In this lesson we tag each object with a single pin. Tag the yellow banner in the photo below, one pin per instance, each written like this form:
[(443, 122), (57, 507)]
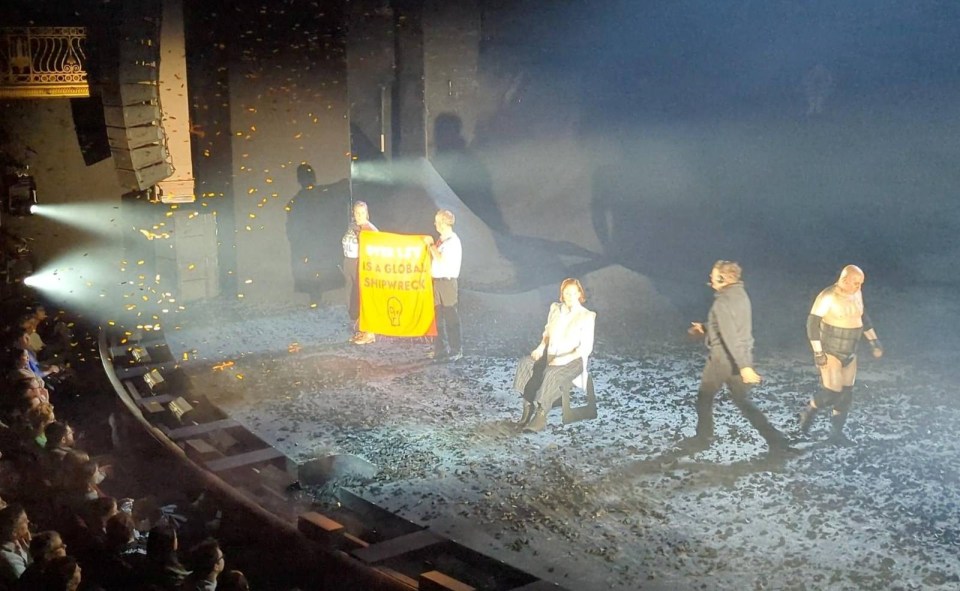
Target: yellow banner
[(396, 291)]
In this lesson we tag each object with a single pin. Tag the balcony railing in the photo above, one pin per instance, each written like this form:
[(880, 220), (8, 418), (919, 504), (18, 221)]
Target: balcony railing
[(39, 62)]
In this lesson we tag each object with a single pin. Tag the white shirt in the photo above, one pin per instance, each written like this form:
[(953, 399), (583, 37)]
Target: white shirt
[(351, 240), (447, 265), (13, 561), (569, 331)]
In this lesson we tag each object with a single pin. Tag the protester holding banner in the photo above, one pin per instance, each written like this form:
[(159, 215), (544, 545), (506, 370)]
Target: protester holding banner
[(351, 253), (447, 254)]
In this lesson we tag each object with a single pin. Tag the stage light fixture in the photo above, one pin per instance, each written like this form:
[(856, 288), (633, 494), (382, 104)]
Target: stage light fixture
[(179, 407), (20, 194), (153, 379), (140, 355)]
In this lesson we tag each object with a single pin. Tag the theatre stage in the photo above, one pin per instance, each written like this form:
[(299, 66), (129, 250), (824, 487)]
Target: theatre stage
[(588, 505)]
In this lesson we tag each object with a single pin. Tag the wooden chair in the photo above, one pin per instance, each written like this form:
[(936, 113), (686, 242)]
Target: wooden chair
[(572, 414)]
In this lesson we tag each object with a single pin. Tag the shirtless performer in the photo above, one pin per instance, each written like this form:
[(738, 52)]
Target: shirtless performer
[(834, 327)]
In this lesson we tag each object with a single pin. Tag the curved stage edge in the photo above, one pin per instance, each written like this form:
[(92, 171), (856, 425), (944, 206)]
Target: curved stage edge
[(357, 546)]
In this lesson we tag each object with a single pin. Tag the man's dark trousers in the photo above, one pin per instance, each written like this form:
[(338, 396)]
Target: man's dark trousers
[(719, 371)]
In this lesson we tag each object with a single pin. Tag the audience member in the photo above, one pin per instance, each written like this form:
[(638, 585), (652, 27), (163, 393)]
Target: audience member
[(36, 419), (60, 444), (98, 512), (44, 547), (32, 388), (55, 333), (116, 565), (22, 340), (162, 567), (62, 574), (206, 562), (233, 580), (14, 543), (81, 478), (60, 485), (18, 363), (29, 323)]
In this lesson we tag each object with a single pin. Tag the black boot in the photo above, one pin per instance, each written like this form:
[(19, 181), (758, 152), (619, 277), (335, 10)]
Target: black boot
[(527, 414), (807, 416), (837, 437), (538, 422), (694, 444), (778, 446)]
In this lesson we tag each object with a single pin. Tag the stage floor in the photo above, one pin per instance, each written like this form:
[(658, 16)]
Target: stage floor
[(588, 505)]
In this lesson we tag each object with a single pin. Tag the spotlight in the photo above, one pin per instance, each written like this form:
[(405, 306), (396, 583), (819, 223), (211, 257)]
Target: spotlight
[(179, 407), (19, 193)]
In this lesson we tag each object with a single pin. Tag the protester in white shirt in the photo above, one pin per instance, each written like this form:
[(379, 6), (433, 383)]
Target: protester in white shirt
[(446, 255)]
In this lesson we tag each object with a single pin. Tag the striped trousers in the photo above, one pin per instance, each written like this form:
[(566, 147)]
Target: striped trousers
[(544, 384)]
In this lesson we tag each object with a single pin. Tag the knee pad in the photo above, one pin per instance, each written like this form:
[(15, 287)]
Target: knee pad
[(824, 398)]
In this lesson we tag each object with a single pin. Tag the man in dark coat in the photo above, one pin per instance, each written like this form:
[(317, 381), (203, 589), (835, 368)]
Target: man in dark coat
[(729, 337)]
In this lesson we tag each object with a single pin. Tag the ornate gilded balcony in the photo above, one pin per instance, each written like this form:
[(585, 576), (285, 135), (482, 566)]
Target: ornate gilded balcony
[(43, 62)]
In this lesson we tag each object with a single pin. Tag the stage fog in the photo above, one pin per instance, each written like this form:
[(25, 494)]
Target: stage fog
[(626, 144)]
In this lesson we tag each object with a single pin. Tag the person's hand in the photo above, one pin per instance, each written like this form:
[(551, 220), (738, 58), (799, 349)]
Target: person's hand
[(820, 358), (54, 369), (428, 240), (749, 376), (537, 353), (876, 348), (696, 329)]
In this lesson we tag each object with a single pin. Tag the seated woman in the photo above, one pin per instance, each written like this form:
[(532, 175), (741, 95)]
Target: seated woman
[(18, 366), (560, 357)]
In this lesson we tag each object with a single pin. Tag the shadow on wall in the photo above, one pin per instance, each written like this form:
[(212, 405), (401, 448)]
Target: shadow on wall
[(539, 261), (316, 219), (634, 229), (464, 172)]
